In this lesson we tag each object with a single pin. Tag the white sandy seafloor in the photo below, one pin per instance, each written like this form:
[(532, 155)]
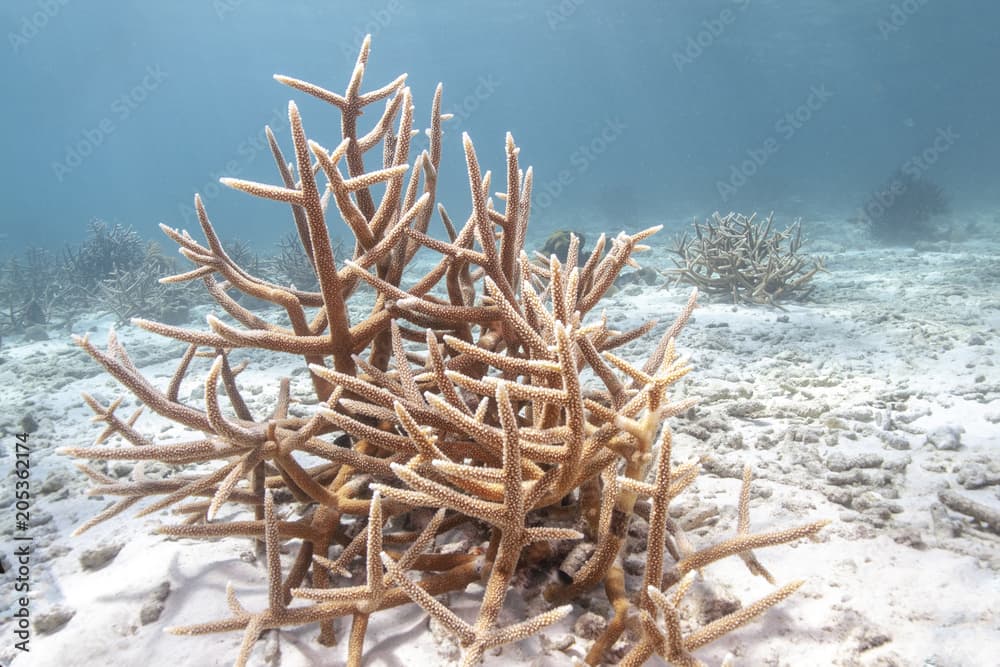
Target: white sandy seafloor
[(857, 406)]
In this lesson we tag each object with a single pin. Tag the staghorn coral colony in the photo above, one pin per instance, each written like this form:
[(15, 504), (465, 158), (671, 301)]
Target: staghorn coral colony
[(746, 259), (481, 398), (113, 271), (905, 210)]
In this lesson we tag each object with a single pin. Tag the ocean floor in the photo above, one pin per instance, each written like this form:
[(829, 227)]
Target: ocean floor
[(861, 406)]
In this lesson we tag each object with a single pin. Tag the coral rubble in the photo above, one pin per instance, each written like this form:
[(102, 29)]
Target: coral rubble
[(483, 390)]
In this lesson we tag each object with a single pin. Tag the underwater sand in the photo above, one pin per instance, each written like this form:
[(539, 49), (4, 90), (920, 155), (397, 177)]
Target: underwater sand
[(858, 406)]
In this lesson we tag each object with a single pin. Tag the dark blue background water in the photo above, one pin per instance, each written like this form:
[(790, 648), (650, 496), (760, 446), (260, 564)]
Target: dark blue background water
[(634, 111)]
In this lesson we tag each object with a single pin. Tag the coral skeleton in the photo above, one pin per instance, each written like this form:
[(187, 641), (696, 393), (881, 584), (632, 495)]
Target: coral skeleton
[(746, 259), (480, 398)]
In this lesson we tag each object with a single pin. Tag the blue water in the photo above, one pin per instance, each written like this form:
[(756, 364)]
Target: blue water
[(633, 112)]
